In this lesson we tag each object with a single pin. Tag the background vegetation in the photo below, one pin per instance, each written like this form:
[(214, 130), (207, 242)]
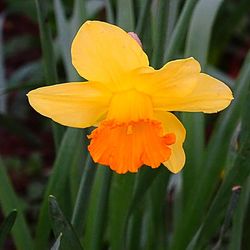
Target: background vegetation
[(206, 206)]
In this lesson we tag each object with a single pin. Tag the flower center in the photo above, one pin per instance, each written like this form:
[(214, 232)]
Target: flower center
[(130, 105), (130, 136)]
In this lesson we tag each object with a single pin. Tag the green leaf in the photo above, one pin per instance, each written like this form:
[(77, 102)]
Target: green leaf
[(93, 7), (31, 71), (46, 42), (97, 218), (143, 183), (240, 171), (160, 31), (194, 148), (228, 217), (201, 23), (79, 16), (135, 234), (6, 227), (48, 58), (122, 186), (157, 204), (173, 9), (180, 30), (57, 244), (3, 83), (144, 180), (215, 159), (238, 220), (82, 200), (144, 12), (10, 201), (58, 182), (110, 11), (125, 15), (62, 226), (65, 38)]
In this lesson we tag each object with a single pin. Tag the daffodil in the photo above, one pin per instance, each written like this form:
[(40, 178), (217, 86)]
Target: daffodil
[(128, 101)]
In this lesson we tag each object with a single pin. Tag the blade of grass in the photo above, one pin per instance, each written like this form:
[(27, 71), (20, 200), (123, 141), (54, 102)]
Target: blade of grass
[(229, 20), (202, 23), (3, 83), (98, 211), (31, 71), (194, 122), (135, 229), (144, 12), (61, 225), (143, 182), (65, 38), (148, 239), (157, 199), (238, 174), (82, 200), (58, 180), (56, 245), (194, 148), (93, 8), (125, 15), (174, 6), (144, 179), (48, 58), (110, 11), (215, 160), (79, 16), (238, 220), (77, 170), (10, 201), (180, 30), (228, 217), (6, 227), (46, 42), (122, 186), (161, 18)]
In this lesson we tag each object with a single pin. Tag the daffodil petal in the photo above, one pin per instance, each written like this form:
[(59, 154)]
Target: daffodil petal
[(76, 104), (172, 125), (105, 53), (209, 95), (176, 78)]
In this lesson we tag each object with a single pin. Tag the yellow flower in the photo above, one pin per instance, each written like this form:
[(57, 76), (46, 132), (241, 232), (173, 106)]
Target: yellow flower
[(128, 100)]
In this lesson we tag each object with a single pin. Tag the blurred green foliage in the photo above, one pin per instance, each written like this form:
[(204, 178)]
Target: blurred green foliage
[(96, 209)]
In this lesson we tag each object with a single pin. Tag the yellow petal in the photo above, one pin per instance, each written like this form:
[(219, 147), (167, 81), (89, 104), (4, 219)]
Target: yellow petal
[(104, 52), (77, 105), (172, 125), (209, 95), (176, 78)]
